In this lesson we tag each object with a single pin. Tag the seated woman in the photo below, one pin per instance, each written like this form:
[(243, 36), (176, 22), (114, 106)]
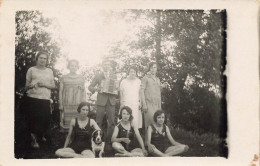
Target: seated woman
[(82, 127), (159, 139), (124, 134)]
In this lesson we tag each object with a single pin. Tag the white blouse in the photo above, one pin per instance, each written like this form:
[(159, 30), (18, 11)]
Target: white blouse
[(35, 75)]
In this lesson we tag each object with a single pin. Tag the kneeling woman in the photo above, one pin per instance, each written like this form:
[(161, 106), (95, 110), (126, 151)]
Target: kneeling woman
[(159, 138), (124, 134), (82, 129)]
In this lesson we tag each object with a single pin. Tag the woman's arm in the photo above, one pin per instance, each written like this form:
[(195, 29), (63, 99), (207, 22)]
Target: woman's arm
[(139, 99), (61, 94), (139, 138), (68, 138), (149, 134), (173, 142), (151, 147), (121, 89), (94, 124), (143, 87), (84, 91), (115, 134), (93, 83), (28, 84)]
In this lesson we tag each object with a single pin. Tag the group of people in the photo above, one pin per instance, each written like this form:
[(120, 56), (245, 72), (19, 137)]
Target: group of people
[(136, 97)]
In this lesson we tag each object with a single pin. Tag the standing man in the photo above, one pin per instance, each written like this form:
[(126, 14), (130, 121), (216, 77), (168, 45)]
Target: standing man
[(105, 101)]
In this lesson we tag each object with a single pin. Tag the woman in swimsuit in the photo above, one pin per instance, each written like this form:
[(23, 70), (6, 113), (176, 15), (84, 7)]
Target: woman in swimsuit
[(159, 139), (123, 138), (82, 127)]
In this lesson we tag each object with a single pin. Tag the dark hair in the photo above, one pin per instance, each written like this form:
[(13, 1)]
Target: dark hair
[(150, 65), (132, 67), (111, 62), (82, 104), (129, 110), (41, 53), (158, 113), (71, 61)]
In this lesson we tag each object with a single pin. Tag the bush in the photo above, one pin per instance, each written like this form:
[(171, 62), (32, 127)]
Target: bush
[(197, 110)]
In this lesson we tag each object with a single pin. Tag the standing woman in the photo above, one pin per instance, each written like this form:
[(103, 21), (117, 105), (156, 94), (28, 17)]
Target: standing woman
[(130, 95), (39, 82), (71, 93), (151, 94), (82, 127)]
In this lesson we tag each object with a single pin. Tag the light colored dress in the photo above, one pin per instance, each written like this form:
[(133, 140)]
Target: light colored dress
[(72, 95), (151, 87), (130, 96)]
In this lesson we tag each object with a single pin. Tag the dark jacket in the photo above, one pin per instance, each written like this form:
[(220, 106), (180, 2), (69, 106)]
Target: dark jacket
[(102, 98)]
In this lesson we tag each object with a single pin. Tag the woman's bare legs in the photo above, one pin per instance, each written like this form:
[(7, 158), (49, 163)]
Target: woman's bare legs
[(137, 152), (87, 154), (67, 153), (156, 152), (119, 148), (174, 150)]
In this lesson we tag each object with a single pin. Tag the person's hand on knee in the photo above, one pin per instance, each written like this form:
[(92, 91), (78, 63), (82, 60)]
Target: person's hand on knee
[(151, 148)]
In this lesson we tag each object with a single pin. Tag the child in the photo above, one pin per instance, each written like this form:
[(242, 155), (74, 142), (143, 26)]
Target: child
[(158, 137)]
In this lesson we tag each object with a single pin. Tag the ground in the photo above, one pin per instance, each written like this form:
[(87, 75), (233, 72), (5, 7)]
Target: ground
[(199, 145)]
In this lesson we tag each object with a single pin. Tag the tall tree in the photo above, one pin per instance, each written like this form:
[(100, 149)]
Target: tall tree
[(188, 46)]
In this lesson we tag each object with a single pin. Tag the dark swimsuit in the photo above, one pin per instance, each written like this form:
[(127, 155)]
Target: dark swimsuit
[(122, 133), (82, 137), (160, 140)]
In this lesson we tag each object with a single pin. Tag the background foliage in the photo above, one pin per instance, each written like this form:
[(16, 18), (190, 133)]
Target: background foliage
[(188, 46)]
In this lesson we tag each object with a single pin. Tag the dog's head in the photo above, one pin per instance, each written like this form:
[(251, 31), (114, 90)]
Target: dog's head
[(98, 136)]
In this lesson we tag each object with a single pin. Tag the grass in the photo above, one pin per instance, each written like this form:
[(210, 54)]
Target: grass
[(200, 145), (205, 145)]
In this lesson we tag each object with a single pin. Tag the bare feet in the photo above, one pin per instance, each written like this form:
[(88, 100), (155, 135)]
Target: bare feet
[(123, 155), (78, 156)]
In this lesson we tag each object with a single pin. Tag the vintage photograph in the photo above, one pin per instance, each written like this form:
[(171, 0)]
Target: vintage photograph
[(105, 83)]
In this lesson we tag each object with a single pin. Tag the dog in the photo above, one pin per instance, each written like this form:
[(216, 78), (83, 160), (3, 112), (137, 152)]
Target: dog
[(97, 143)]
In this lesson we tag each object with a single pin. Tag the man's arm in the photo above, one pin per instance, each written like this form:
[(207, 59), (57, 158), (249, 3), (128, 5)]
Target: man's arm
[(92, 85)]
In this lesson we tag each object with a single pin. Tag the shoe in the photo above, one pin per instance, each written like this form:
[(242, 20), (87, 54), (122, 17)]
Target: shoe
[(44, 139), (35, 145)]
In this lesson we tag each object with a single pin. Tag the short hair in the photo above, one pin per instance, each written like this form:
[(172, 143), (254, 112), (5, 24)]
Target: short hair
[(158, 113), (82, 104), (71, 61), (150, 65), (132, 67), (112, 63), (129, 110), (40, 53)]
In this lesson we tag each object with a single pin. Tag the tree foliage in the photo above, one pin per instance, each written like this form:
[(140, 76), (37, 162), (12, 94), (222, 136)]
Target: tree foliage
[(189, 48)]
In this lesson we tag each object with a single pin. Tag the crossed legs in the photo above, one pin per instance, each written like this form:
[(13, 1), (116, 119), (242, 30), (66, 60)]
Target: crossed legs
[(70, 153), (170, 151), (124, 153)]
